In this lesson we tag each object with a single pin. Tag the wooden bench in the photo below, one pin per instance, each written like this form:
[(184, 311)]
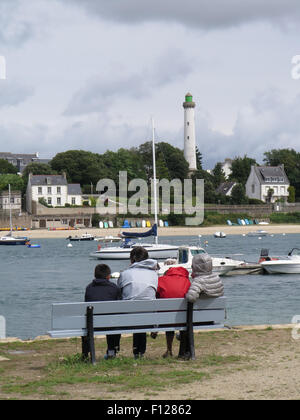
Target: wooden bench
[(134, 316)]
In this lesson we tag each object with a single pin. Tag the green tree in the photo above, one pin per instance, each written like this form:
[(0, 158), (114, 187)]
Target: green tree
[(15, 181), (241, 168), (80, 166), (123, 160), (218, 175), (238, 194), (292, 194), (170, 161), (7, 168), (198, 159)]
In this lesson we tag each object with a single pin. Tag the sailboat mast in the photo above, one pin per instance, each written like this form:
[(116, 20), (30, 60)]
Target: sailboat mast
[(154, 178), (9, 199)]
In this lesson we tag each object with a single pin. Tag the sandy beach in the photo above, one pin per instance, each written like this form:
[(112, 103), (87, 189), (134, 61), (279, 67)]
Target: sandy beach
[(166, 231)]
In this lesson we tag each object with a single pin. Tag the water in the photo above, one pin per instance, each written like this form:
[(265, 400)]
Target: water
[(31, 279)]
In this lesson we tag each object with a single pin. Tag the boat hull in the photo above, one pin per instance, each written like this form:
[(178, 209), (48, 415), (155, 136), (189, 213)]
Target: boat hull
[(80, 239), (286, 267), (14, 242), (124, 254)]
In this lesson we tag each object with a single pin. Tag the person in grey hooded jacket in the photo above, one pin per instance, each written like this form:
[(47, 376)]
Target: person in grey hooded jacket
[(203, 279), (139, 282)]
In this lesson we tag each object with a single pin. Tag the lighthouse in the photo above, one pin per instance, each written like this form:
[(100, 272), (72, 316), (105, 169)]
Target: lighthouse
[(189, 133)]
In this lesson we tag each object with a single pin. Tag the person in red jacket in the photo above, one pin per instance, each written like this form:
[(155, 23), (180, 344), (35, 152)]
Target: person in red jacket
[(173, 284)]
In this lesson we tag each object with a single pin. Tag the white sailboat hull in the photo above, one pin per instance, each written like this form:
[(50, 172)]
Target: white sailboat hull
[(118, 253)]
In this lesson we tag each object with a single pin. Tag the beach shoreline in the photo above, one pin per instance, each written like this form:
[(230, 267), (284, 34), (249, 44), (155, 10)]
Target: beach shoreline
[(164, 231)]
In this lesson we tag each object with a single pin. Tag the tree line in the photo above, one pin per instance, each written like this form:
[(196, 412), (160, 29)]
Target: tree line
[(86, 168)]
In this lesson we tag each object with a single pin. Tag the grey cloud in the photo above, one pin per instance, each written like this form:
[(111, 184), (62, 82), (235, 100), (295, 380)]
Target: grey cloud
[(13, 93), (197, 13), (14, 29), (100, 93), (267, 123)]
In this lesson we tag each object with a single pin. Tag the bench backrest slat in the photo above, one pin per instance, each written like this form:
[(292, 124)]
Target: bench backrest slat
[(156, 318), (112, 315), (125, 306)]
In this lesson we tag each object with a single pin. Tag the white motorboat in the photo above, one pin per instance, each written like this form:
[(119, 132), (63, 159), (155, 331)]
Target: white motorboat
[(286, 265), (220, 235), (185, 256), (83, 237)]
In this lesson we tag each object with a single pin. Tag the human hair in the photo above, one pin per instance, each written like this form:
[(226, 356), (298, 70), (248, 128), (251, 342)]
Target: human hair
[(138, 254), (102, 271)]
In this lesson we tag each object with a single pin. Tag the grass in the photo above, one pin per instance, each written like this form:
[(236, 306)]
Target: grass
[(54, 369)]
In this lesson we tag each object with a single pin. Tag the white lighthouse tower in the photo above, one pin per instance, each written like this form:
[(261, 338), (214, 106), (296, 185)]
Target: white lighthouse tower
[(189, 133)]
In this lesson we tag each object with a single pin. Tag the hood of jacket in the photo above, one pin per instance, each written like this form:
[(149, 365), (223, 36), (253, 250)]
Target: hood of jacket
[(148, 264), (177, 271), (202, 264)]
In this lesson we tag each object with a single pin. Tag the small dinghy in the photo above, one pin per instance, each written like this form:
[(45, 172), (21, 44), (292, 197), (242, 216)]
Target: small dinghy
[(220, 235)]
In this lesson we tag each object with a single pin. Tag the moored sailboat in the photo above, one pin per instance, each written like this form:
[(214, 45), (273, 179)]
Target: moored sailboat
[(9, 239), (156, 250)]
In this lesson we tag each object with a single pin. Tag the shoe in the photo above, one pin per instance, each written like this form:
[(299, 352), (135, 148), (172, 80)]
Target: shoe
[(167, 354), (138, 355), (111, 354), (185, 356), (153, 335)]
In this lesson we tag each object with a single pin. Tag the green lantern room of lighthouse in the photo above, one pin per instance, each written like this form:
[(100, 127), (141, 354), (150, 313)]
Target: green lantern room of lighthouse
[(188, 97)]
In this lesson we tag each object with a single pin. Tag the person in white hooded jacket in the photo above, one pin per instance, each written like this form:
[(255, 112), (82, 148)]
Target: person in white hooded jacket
[(203, 279), (139, 282)]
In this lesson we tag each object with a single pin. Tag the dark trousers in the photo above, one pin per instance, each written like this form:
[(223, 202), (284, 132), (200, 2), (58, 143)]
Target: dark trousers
[(113, 344), (184, 348), (139, 343)]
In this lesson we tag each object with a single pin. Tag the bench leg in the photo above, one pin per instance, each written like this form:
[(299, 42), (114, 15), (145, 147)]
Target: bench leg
[(90, 332), (190, 330)]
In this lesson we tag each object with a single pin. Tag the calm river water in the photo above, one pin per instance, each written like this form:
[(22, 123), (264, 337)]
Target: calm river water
[(32, 278)]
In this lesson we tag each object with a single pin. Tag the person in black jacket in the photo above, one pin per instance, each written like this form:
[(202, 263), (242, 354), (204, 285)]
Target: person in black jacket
[(101, 289)]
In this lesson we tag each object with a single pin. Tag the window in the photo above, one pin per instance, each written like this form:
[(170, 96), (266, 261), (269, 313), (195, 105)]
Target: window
[(40, 190), (49, 201), (187, 123), (253, 188), (12, 200), (58, 201), (58, 190), (73, 201), (49, 190)]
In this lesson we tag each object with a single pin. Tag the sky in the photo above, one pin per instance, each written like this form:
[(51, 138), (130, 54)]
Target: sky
[(90, 75)]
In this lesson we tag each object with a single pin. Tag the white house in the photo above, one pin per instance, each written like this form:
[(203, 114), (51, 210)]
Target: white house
[(262, 179), (54, 189), (14, 202)]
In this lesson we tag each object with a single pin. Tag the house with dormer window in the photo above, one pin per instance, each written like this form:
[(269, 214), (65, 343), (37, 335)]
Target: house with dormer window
[(54, 190), (268, 183)]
